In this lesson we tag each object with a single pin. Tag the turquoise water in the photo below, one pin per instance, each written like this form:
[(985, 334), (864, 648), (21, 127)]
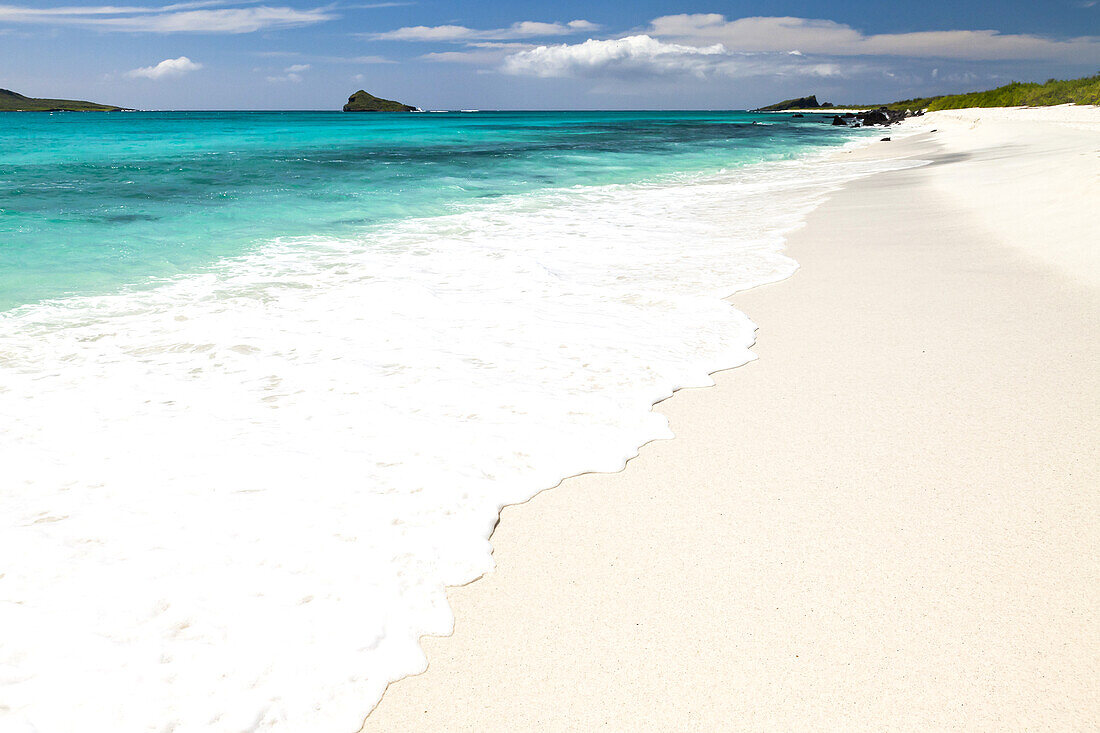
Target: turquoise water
[(318, 353), (90, 203)]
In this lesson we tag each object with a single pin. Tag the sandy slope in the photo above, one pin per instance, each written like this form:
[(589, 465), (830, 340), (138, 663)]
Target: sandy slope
[(889, 521)]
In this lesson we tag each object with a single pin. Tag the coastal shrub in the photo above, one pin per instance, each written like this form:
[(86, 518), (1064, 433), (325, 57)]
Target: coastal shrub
[(1018, 94), (1014, 94)]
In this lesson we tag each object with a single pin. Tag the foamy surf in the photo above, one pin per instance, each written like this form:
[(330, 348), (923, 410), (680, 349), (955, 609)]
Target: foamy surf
[(236, 498)]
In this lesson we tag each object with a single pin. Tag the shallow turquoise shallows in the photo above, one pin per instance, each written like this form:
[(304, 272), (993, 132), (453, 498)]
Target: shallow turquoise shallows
[(90, 203)]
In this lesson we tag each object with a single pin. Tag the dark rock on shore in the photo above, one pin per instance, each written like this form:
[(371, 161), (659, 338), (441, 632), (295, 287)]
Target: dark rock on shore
[(361, 101), (883, 116), (874, 118)]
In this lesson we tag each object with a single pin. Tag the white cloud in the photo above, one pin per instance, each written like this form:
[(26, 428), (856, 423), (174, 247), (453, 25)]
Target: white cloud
[(292, 73), (16, 13), (459, 33), (166, 68), (485, 53), (710, 44), (204, 16), (646, 56), (631, 54), (762, 34)]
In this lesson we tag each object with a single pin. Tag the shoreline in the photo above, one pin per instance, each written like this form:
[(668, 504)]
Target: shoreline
[(287, 367), (520, 656)]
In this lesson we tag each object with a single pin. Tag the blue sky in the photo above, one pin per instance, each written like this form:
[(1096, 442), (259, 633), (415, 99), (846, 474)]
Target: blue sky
[(531, 54)]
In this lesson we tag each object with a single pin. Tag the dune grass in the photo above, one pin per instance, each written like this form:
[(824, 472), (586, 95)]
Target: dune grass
[(1016, 94)]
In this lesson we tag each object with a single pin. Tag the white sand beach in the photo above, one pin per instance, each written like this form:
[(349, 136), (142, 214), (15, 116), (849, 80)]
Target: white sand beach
[(888, 521)]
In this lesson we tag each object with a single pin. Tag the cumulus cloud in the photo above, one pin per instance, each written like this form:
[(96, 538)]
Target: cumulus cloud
[(710, 44), (292, 73), (632, 54), (826, 37), (644, 55), (204, 16), (166, 68), (460, 33)]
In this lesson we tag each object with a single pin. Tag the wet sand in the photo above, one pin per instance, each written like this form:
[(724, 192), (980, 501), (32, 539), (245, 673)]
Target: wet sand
[(888, 521)]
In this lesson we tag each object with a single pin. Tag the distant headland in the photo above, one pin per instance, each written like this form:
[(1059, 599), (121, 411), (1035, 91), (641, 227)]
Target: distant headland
[(13, 102), (361, 101)]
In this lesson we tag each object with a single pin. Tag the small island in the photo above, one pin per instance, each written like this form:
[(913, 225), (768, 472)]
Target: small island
[(14, 102), (809, 102), (361, 101)]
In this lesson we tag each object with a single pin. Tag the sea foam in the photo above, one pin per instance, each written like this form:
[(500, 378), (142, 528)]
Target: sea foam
[(233, 501)]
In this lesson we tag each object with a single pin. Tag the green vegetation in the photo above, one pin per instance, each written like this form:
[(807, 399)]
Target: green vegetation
[(12, 102), (1016, 94), (1054, 91), (809, 102), (363, 102)]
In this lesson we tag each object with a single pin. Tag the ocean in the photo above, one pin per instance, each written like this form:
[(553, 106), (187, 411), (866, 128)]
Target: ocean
[(267, 378)]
